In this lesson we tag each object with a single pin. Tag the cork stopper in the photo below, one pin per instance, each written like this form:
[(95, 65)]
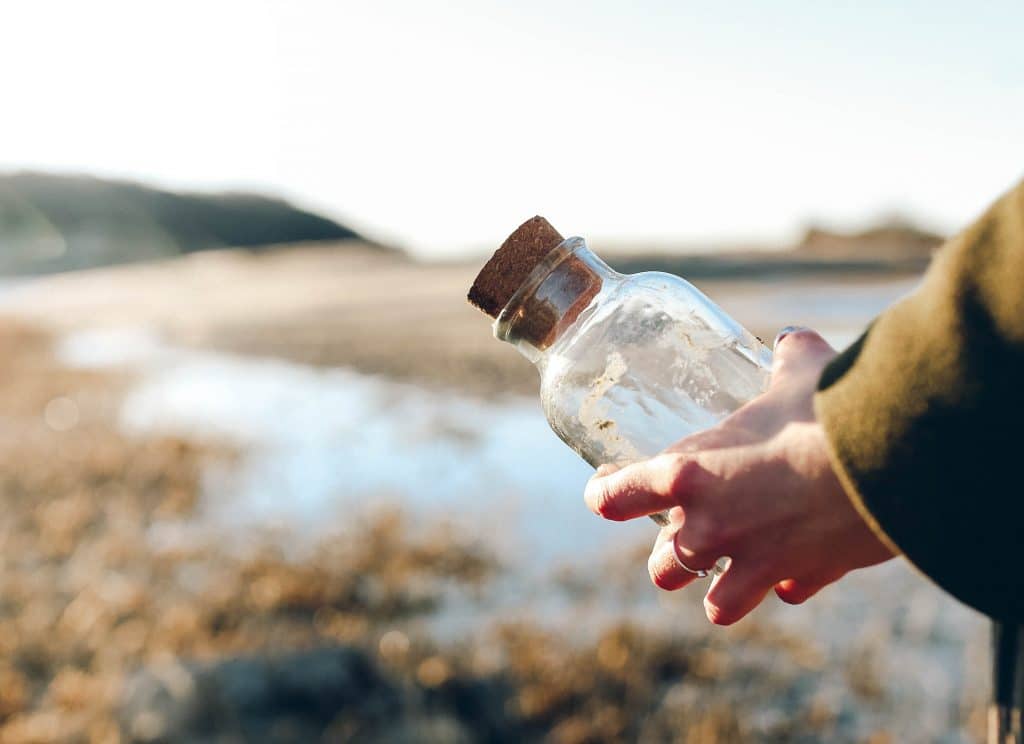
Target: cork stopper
[(512, 263), (539, 316)]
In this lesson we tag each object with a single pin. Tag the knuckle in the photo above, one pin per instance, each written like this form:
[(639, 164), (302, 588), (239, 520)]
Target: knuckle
[(700, 534), (686, 477)]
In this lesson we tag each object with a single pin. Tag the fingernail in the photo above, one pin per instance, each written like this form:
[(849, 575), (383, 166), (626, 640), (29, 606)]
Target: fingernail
[(785, 332), (605, 469)]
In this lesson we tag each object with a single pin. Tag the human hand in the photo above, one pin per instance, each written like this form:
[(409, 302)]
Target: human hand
[(759, 488)]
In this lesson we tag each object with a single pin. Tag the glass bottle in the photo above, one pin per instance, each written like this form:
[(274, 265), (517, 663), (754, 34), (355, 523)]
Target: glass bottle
[(629, 364)]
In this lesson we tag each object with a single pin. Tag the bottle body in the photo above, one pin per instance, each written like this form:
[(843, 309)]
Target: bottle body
[(635, 362), (644, 368)]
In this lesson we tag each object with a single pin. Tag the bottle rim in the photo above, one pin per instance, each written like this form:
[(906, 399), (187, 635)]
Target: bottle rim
[(512, 311)]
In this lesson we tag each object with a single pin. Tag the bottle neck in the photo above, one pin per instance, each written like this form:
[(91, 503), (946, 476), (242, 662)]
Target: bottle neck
[(561, 287)]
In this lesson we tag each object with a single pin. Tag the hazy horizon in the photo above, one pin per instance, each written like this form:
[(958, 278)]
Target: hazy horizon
[(439, 130)]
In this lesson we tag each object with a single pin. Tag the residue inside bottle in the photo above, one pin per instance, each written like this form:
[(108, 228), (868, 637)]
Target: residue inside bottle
[(596, 418)]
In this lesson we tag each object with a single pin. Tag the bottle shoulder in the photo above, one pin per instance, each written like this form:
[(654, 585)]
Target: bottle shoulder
[(660, 282), (626, 302), (678, 297), (646, 288)]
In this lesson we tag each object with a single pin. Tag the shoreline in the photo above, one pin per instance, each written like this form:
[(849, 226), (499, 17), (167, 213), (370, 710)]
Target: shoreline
[(351, 306)]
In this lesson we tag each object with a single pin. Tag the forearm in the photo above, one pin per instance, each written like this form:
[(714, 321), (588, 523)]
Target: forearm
[(923, 416)]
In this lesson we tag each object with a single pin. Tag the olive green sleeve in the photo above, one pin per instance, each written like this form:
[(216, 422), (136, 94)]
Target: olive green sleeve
[(925, 417)]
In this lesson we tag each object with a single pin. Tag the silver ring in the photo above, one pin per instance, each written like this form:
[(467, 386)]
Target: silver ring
[(699, 574)]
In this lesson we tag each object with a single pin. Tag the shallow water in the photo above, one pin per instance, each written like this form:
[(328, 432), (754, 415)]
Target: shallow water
[(319, 446), (839, 309)]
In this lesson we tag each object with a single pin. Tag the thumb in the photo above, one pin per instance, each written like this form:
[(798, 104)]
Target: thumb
[(798, 349)]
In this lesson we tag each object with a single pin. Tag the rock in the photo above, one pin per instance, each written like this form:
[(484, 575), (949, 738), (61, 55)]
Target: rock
[(327, 694), (286, 698)]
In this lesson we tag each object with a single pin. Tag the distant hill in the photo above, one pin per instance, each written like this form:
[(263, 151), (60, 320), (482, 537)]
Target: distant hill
[(893, 239), (56, 223), (890, 247)]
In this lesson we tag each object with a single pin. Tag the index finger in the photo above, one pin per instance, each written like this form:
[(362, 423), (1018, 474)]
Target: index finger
[(643, 488)]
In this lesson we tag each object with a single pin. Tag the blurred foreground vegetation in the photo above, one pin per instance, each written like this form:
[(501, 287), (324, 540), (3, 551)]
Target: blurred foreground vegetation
[(122, 620)]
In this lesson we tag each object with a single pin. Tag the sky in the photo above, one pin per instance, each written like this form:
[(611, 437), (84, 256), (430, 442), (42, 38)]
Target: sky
[(441, 126)]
